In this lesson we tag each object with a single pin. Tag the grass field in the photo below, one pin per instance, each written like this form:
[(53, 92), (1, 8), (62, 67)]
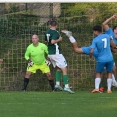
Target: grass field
[(58, 104)]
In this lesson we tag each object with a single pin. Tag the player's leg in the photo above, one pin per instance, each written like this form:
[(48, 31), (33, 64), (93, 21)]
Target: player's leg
[(26, 80), (62, 64), (54, 60), (58, 76), (109, 82), (29, 71), (65, 80), (50, 80), (99, 71), (109, 67), (114, 82), (45, 69), (73, 41), (97, 82)]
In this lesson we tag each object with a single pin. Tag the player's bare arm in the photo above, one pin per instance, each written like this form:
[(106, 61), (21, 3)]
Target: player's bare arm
[(105, 23), (114, 50), (56, 41), (112, 44)]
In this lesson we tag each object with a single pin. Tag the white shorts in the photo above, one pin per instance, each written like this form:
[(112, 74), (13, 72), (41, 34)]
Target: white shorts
[(58, 60)]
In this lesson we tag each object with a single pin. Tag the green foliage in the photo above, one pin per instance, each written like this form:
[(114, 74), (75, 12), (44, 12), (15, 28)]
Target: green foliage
[(13, 8)]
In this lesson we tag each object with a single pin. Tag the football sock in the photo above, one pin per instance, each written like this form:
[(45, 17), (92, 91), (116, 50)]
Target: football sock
[(26, 81), (97, 83), (67, 85), (65, 80), (58, 76), (113, 78), (109, 83), (51, 82), (72, 39)]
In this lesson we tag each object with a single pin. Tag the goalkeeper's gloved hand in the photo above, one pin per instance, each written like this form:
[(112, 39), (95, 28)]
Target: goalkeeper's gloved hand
[(30, 63), (48, 62)]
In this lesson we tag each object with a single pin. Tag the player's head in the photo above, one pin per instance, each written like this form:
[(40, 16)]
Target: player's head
[(53, 23), (35, 39), (114, 28), (97, 29), (115, 31)]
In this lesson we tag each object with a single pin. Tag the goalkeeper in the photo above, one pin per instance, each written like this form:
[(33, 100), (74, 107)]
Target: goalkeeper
[(35, 56), (86, 50)]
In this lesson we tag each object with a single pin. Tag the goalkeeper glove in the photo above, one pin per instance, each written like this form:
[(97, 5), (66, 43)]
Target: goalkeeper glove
[(48, 62), (30, 63)]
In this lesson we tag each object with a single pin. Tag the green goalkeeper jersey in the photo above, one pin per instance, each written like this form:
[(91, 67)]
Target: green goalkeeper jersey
[(52, 35), (36, 54)]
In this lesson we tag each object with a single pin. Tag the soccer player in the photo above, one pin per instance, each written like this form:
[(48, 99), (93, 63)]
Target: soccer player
[(35, 56), (112, 33), (86, 50), (105, 58), (53, 38)]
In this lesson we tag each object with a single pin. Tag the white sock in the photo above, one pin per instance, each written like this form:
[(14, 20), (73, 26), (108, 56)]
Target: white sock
[(109, 83), (97, 82), (113, 78), (66, 85), (57, 83), (72, 39)]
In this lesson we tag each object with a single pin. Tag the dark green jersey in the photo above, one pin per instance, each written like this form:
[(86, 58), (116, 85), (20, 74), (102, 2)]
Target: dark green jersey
[(52, 35)]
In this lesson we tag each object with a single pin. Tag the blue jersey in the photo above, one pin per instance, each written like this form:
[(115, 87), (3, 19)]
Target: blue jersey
[(86, 50), (102, 43), (111, 34)]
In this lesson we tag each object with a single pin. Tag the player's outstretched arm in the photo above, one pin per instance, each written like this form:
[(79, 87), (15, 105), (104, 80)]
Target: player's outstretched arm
[(113, 44), (114, 50), (105, 23)]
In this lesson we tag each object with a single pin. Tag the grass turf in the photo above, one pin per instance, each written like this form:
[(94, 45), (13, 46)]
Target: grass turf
[(57, 104)]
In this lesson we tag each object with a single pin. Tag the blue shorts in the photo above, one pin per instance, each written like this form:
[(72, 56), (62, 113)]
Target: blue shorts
[(101, 65)]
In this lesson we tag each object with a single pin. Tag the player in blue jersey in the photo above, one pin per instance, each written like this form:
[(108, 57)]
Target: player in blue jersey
[(85, 50), (113, 34), (105, 57)]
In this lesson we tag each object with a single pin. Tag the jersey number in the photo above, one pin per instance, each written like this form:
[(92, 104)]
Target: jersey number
[(105, 42), (48, 36)]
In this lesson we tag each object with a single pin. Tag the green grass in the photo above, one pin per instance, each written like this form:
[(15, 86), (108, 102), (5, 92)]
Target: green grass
[(57, 104)]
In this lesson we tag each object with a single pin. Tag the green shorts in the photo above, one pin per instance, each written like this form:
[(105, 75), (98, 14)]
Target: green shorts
[(44, 68)]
